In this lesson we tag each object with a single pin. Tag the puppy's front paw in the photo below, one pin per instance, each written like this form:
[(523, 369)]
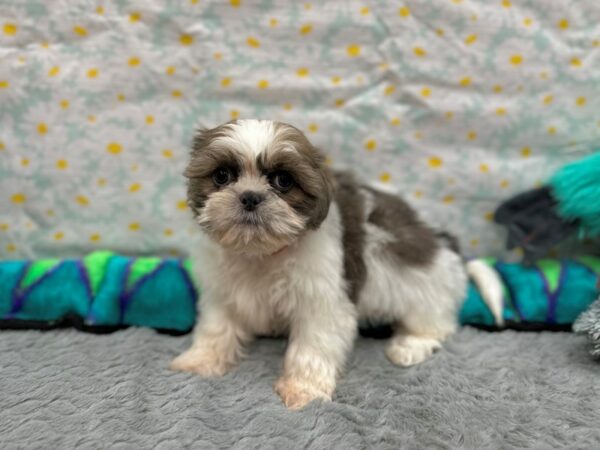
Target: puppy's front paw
[(201, 363), (410, 350), (296, 394)]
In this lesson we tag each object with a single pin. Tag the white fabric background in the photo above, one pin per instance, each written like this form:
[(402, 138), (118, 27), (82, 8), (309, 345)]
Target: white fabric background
[(456, 103)]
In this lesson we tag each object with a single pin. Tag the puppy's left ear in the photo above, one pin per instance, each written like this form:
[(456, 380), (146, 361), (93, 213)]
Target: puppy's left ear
[(326, 192)]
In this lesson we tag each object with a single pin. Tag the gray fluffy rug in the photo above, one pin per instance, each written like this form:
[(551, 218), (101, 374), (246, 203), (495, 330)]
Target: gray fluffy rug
[(66, 389)]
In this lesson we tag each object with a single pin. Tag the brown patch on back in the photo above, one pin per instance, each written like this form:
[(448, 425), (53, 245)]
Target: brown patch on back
[(352, 211), (414, 242)]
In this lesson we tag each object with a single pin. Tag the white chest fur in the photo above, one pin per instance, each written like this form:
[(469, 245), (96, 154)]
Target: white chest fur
[(264, 293)]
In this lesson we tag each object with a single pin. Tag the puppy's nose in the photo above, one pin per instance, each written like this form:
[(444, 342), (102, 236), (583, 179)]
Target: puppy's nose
[(250, 200)]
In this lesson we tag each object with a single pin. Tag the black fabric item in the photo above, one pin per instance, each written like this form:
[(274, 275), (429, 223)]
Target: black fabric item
[(533, 223), (72, 321)]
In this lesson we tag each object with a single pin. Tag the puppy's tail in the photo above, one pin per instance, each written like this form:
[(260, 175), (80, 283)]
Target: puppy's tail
[(486, 279), (490, 287)]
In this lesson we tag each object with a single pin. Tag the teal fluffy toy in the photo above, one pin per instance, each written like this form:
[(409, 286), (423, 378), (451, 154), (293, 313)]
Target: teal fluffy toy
[(576, 187), (106, 291)]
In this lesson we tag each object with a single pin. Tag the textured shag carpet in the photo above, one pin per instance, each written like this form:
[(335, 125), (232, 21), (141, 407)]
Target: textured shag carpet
[(66, 389)]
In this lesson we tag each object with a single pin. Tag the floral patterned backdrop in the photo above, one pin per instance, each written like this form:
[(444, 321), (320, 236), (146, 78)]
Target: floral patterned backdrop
[(456, 103)]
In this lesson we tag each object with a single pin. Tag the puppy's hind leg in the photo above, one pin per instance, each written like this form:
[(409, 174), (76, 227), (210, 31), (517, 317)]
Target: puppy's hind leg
[(406, 349), (431, 314), (418, 336)]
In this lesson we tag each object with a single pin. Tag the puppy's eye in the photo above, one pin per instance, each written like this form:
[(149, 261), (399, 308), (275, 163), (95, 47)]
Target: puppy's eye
[(222, 176), (282, 181)]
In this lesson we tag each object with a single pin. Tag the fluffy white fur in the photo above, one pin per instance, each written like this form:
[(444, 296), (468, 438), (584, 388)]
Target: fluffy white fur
[(301, 292), (251, 138)]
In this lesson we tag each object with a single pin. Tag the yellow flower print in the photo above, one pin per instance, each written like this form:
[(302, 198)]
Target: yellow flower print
[(186, 39), (10, 29), (62, 164), (404, 12), (389, 90), (42, 128), (302, 72), (18, 198), (516, 60), (385, 177), (114, 148), (470, 39), (435, 162), (134, 61), (80, 31), (371, 145), (353, 50), (306, 29), (253, 42), (419, 51), (82, 200)]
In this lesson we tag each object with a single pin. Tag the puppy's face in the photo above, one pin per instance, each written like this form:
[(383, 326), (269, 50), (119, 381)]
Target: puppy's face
[(256, 186)]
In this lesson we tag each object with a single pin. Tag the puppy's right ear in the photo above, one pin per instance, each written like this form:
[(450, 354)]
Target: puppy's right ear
[(206, 155), (199, 143)]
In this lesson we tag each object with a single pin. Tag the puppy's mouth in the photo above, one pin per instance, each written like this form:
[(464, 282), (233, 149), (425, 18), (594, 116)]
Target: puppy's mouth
[(250, 218)]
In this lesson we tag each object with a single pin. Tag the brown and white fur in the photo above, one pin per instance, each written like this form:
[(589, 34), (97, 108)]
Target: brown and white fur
[(309, 262)]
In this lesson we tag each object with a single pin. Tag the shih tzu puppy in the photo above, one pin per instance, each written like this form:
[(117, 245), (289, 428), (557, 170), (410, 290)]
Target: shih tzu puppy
[(292, 248)]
